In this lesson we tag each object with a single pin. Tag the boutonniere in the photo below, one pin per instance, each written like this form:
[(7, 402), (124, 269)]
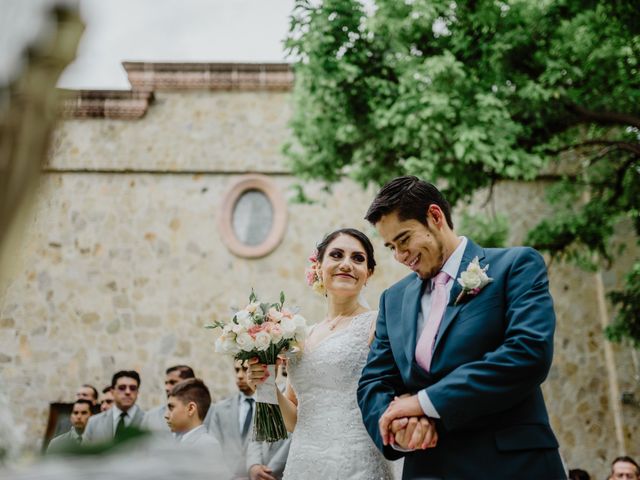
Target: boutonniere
[(473, 279)]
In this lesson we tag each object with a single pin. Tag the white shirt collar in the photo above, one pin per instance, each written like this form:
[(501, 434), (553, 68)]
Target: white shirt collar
[(452, 265), (243, 397), (186, 435), (129, 414)]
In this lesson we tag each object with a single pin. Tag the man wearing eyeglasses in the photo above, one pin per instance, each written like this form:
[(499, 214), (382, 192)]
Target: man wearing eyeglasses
[(124, 414)]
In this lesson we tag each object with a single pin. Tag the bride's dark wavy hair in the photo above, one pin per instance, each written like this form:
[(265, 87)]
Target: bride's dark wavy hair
[(352, 232)]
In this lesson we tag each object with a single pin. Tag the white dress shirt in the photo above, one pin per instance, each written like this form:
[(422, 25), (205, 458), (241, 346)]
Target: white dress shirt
[(127, 419), (451, 266)]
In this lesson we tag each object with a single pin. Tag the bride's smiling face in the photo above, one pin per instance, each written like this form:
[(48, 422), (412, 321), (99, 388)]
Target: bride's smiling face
[(344, 266)]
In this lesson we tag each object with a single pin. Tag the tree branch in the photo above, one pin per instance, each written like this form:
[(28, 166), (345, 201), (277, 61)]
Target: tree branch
[(618, 144), (604, 118)]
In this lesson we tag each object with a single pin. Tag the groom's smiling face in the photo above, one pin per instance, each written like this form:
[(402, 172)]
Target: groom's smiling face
[(420, 247)]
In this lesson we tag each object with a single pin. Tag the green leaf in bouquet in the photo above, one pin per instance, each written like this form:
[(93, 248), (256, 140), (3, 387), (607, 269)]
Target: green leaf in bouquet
[(252, 296), (281, 299), (215, 324), (265, 308)]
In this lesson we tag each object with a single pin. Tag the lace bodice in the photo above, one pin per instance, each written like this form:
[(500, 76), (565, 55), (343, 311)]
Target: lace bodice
[(330, 441)]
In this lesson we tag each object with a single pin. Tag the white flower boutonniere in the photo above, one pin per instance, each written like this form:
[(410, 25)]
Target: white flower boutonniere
[(472, 280)]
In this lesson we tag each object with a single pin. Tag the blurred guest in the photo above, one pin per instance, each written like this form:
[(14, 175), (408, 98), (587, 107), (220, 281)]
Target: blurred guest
[(87, 392), (154, 419), (266, 460), (106, 399), (230, 421), (624, 468), (578, 474), (124, 413), (80, 413), (187, 405)]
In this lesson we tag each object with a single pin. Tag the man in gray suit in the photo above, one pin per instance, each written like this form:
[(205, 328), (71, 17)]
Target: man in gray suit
[(87, 392), (154, 419), (231, 420), (266, 461), (108, 425), (80, 414)]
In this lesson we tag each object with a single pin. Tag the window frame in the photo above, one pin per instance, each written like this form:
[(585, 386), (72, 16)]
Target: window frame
[(265, 185)]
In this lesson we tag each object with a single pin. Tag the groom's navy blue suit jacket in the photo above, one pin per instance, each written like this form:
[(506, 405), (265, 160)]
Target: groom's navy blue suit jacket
[(492, 352)]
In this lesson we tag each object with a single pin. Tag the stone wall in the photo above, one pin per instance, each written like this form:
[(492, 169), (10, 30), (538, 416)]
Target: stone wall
[(123, 265)]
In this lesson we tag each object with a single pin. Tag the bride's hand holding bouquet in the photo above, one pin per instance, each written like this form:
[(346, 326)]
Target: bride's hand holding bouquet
[(260, 332)]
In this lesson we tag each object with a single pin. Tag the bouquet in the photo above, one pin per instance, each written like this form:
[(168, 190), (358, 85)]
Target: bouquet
[(263, 330)]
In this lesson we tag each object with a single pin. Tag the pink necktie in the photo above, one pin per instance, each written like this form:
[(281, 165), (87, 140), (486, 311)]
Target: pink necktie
[(424, 347)]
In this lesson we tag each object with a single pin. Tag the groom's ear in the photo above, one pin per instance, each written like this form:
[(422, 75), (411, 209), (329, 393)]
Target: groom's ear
[(436, 215)]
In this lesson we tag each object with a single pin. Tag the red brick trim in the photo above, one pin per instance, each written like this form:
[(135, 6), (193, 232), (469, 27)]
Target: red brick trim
[(211, 76), (120, 104)]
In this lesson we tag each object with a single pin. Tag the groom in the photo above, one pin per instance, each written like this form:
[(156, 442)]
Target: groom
[(465, 361)]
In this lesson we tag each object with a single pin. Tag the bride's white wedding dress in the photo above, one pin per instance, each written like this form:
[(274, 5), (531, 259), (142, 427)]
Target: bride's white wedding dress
[(329, 441)]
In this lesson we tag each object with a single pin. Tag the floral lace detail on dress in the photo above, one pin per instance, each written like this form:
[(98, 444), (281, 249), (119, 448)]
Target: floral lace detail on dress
[(330, 441)]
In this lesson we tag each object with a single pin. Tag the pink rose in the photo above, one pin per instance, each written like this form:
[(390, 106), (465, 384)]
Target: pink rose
[(254, 330)]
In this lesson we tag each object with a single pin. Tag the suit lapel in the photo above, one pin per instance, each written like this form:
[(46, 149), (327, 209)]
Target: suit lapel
[(136, 421), (471, 251), (108, 423), (234, 420), (410, 311)]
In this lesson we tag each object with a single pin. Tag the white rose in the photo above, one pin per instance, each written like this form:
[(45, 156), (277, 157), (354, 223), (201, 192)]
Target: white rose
[(244, 319), (288, 326), (228, 328), (252, 307), (262, 341), (245, 342), (275, 315), (470, 280), (238, 329), (276, 333), (475, 276), (226, 344)]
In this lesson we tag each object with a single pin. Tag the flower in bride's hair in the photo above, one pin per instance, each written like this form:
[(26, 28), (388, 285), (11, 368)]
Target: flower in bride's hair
[(312, 274)]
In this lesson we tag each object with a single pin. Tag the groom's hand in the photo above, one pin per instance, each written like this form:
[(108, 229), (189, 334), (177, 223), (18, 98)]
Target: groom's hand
[(419, 433), (405, 406)]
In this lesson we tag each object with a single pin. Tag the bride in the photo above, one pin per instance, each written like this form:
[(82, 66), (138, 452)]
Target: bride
[(319, 404)]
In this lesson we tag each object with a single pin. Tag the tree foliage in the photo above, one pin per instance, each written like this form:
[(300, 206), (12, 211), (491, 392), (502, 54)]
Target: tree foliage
[(468, 93)]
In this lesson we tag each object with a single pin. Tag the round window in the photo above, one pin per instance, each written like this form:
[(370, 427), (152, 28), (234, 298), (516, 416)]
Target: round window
[(253, 217)]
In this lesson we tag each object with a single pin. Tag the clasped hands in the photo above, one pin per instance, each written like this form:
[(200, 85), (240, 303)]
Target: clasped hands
[(404, 424)]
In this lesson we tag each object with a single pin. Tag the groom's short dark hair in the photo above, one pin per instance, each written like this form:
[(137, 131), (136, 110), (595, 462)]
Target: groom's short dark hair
[(410, 197)]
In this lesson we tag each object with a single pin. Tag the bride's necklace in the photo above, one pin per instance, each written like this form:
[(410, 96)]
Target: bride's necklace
[(335, 321)]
